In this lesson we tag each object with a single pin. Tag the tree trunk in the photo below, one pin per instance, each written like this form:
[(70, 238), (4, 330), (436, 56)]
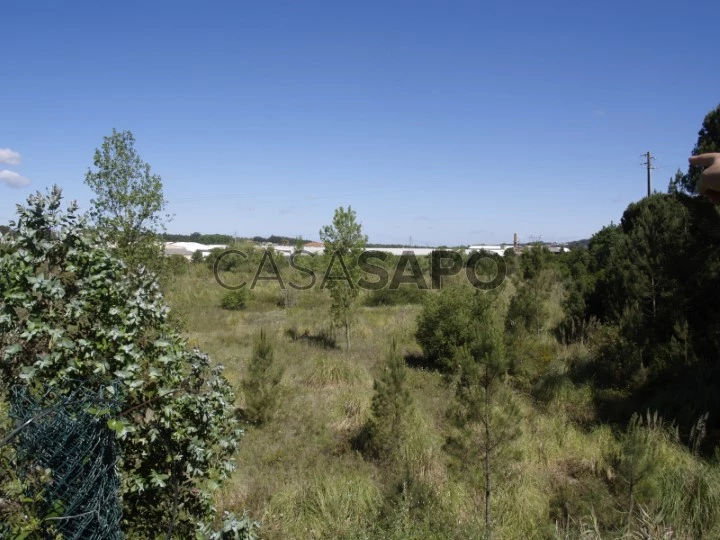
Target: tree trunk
[(654, 306), (488, 532)]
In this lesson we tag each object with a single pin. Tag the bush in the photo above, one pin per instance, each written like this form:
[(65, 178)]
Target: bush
[(177, 265), (234, 300), (71, 315), (447, 322), (395, 297)]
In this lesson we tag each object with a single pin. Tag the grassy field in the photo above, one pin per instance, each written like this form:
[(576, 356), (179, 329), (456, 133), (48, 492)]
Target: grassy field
[(302, 476)]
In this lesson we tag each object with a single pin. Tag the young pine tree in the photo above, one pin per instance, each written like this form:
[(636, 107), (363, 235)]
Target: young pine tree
[(485, 414), (388, 426), (637, 463), (262, 385)]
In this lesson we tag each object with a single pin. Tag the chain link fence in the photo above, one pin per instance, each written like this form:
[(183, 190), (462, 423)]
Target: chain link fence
[(69, 436)]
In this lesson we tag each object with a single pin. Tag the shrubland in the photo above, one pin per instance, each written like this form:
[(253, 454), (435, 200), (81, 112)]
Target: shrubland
[(577, 399)]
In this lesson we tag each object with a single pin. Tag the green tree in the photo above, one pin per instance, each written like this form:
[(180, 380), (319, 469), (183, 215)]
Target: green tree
[(389, 424), (129, 202), (578, 283), (708, 141), (637, 460), (599, 301), (344, 241), (643, 286), (485, 414), (197, 257), (528, 307), (445, 324), (71, 315), (261, 388)]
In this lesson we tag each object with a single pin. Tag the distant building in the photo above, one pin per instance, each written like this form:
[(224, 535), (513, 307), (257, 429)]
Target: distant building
[(186, 249), (496, 249)]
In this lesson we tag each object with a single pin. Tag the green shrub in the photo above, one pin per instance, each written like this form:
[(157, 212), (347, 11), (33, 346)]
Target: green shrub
[(447, 322), (177, 265), (395, 297), (234, 300), (71, 315), (261, 387)]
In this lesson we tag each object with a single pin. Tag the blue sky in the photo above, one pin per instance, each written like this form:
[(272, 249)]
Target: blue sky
[(451, 122)]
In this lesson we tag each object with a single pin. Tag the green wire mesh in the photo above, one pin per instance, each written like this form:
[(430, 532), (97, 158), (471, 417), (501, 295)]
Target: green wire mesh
[(69, 436)]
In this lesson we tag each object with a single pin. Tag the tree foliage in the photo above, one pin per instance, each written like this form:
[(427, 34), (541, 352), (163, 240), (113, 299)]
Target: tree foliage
[(446, 324), (389, 425), (651, 286), (708, 141), (636, 462), (528, 307), (129, 202), (70, 315), (485, 414), (344, 242), (261, 388)]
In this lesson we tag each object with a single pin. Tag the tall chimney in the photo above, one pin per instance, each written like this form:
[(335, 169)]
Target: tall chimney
[(516, 246)]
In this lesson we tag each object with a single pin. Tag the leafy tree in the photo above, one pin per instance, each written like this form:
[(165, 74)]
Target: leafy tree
[(708, 141), (261, 387), (485, 414), (71, 315), (388, 427), (129, 201), (197, 257), (344, 242)]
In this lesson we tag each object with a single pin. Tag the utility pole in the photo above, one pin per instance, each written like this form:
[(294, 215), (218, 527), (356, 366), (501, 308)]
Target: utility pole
[(648, 163)]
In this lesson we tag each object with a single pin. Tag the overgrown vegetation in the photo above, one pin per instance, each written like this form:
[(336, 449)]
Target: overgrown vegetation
[(577, 400), (129, 202), (234, 300), (343, 242), (261, 387), (72, 316)]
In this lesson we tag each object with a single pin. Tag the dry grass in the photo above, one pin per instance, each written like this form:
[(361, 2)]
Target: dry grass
[(301, 476)]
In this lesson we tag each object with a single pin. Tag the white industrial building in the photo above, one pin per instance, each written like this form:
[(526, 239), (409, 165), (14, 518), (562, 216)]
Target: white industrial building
[(186, 249)]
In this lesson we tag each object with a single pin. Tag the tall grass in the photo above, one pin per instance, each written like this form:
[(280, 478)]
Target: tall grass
[(302, 477)]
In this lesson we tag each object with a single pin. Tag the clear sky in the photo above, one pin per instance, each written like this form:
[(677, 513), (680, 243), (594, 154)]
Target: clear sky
[(451, 122)]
